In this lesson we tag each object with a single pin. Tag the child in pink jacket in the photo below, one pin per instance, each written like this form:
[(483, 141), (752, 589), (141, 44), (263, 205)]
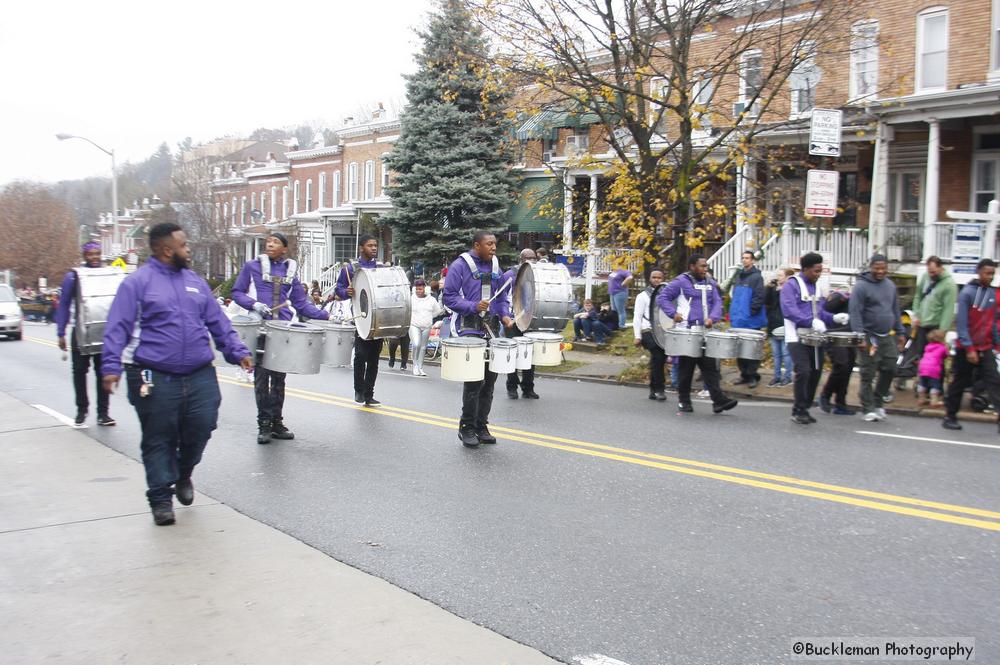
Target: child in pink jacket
[(931, 369)]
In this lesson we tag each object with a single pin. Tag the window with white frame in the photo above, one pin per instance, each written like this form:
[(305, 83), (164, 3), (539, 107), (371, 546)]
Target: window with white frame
[(906, 195), (336, 189), (385, 173), (751, 81), (243, 210), (309, 195), (263, 204), (369, 180), (284, 202), (218, 211), (985, 185), (352, 181), (659, 90), (253, 202), (995, 40), (343, 249), (322, 190), (232, 212), (932, 50), (225, 212), (803, 79), (296, 192), (274, 202), (702, 94), (864, 59)]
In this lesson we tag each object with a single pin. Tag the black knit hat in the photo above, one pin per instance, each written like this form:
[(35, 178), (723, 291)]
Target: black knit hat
[(280, 236)]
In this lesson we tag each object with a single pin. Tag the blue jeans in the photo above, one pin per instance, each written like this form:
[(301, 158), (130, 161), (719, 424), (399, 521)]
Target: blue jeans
[(588, 327), (618, 304), (782, 359), (177, 418)]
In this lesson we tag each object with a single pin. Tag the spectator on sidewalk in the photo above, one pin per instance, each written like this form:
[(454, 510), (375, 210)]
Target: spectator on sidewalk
[(423, 309), (746, 310), (933, 304), (643, 330), (874, 309), (976, 322), (931, 369), (402, 343), (618, 282), (608, 317), (775, 319), (587, 325), (842, 359)]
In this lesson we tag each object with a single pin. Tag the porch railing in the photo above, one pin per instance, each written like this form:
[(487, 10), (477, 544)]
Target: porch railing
[(943, 237), (328, 279), (608, 259), (843, 249)]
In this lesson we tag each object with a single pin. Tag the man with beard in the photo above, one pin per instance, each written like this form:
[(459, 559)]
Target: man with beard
[(262, 285), (159, 332), (81, 362)]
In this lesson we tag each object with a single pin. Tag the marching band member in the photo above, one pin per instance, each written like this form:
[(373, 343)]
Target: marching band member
[(159, 328), (262, 285), (527, 379), (81, 363), (643, 330), (366, 351), (694, 299), (800, 306), (473, 279)]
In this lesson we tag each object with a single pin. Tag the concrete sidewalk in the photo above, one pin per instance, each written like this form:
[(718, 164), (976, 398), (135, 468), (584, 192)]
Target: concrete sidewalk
[(86, 577)]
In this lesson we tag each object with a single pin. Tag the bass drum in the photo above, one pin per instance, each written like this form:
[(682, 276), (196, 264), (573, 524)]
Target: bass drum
[(381, 302), (543, 297), (659, 322)]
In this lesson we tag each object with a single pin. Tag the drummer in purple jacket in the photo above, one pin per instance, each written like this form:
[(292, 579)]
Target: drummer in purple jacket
[(263, 284), (694, 299), (473, 279), (366, 351), (159, 327)]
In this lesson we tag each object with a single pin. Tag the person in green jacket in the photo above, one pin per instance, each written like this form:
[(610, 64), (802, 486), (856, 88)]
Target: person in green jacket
[(934, 303)]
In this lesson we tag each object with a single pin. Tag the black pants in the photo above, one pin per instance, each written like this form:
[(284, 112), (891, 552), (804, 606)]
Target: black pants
[(657, 360), (842, 358), (964, 373), (477, 400), (401, 343), (366, 352), (81, 364), (709, 374), (807, 374), (269, 389), (527, 378)]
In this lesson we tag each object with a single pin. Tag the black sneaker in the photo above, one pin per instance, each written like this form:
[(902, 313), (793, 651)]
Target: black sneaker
[(279, 431), (359, 398), (740, 381), (81, 419), (809, 416), (685, 407), (483, 433), (843, 411), (264, 432), (163, 514), (468, 437), (725, 406), (530, 394), (184, 489), (512, 394), (824, 404), (753, 383), (801, 419), (658, 396), (372, 402), (106, 421), (951, 423)]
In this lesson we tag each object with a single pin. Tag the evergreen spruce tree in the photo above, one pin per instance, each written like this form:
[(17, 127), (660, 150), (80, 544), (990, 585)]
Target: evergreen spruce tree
[(451, 171)]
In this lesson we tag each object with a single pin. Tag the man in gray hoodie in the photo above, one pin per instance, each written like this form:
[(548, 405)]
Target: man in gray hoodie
[(874, 310)]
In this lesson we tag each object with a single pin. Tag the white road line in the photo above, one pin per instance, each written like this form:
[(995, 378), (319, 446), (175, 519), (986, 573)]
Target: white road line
[(597, 659), (65, 420), (927, 438)]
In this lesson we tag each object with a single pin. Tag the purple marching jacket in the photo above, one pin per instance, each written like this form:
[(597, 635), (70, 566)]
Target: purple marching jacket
[(670, 299), (463, 289), (252, 274), (163, 318)]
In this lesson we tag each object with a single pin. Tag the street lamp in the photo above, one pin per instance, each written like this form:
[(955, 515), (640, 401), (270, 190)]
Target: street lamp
[(115, 244)]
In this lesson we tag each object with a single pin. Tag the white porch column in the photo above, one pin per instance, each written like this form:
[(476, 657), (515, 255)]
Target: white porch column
[(591, 238), (567, 213), (879, 207), (933, 185), (787, 260), (744, 193)]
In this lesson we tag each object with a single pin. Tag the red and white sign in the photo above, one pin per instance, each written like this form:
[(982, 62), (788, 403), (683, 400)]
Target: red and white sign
[(821, 193)]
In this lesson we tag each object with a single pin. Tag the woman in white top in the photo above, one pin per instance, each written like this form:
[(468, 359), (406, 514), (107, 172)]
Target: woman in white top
[(423, 309)]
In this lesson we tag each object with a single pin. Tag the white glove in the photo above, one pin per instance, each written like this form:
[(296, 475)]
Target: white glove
[(841, 318), (262, 309), (819, 326)]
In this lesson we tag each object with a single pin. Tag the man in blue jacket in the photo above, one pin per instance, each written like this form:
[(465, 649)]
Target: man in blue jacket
[(159, 333), (746, 310), (471, 277), (263, 284)]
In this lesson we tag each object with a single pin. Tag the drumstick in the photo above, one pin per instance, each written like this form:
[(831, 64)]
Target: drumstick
[(347, 265), (499, 291)]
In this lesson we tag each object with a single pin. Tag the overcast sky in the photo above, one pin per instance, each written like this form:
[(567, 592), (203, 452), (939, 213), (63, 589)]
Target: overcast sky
[(130, 75)]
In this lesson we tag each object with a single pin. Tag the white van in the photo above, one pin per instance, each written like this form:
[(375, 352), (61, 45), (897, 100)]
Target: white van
[(10, 313)]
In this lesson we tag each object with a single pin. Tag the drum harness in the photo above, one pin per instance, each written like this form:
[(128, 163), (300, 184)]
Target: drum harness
[(812, 300), (478, 321), (289, 278)]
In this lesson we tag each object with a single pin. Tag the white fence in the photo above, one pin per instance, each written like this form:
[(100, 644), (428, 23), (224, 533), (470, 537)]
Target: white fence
[(843, 249), (608, 259), (942, 241)]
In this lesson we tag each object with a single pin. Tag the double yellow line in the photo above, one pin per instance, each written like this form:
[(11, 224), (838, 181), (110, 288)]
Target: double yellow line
[(901, 505), (891, 503)]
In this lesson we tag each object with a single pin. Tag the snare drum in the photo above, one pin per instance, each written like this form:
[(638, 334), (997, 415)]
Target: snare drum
[(751, 346), (684, 342), (293, 348), (525, 352), (721, 344), (809, 337), (463, 359), (503, 356), (844, 338), (248, 328), (339, 344), (548, 348)]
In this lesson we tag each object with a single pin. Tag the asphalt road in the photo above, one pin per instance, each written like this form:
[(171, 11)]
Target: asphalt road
[(604, 523)]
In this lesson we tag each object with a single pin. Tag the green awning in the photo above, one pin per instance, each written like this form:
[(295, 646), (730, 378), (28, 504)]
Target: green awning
[(542, 125), (538, 208)]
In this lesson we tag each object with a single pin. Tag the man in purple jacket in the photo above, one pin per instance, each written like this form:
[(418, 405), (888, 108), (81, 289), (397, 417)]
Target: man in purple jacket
[(473, 279), (694, 299), (366, 351), (159, 328), (81, 363), (264, 283), (618, 291)]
